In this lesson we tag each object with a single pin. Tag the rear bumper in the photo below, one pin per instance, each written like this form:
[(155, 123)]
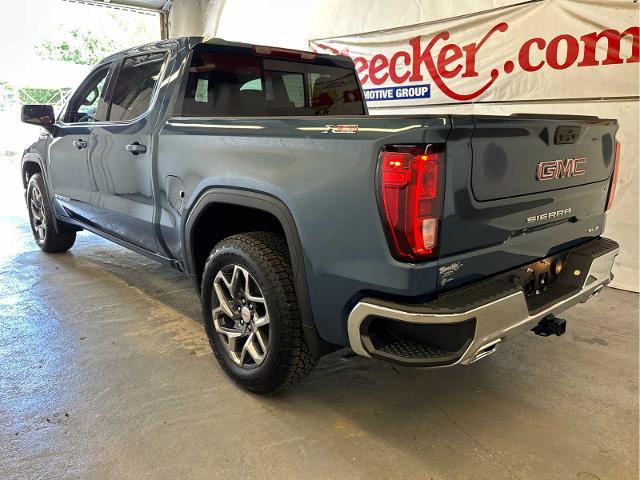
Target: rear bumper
[(467, 324)]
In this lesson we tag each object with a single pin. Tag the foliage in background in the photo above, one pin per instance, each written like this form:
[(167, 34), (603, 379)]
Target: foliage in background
[(24, 96), (79, 46), (41, 96), (86, 45)]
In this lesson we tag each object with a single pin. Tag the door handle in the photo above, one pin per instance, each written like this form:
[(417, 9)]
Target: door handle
[(136, 148), (79, 144)]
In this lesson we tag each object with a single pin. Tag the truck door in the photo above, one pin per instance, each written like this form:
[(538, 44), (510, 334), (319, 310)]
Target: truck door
[(69, 172), (122, 151)]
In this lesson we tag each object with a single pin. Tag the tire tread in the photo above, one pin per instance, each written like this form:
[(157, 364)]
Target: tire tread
[(55, 241), (295, 361)]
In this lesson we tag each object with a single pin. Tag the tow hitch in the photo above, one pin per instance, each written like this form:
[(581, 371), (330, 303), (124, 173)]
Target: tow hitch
[(550, 325)]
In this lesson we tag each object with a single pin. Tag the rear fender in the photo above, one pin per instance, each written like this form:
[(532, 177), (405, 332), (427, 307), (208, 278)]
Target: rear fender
[(275, 207)]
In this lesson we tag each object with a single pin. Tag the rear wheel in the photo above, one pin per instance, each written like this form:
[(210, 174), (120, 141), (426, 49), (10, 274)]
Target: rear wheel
[(251, 313), (41, 218)]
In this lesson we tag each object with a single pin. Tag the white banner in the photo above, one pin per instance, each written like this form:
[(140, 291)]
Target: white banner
[(544, 50)]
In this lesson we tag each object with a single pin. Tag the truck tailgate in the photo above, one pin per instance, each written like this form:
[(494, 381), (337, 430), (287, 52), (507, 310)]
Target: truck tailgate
[(525, 155), (525, 187)]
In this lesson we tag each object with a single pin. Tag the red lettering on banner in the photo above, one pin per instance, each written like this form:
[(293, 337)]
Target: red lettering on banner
[(613, 38), (449, 54), (361, 66), (524, 56), (418, 58), (333, 51), (393, 67), (434, 70), (572, 52), (444, 59), (377, 64), (472, 49)]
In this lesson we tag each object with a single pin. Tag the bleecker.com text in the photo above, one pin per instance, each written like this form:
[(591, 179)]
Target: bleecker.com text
[(445, 60)]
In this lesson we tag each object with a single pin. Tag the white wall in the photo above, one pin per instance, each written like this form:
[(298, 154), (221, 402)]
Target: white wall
[(292, 23)]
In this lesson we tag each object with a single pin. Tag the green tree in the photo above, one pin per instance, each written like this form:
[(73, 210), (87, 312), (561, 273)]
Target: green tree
[(110, 32), (79, 46), (44, 96)]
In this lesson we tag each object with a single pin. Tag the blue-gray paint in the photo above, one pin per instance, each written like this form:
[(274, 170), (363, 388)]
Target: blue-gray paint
[(327, 184)]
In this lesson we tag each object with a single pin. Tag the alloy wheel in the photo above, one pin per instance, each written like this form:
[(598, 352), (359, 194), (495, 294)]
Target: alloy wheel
[(240, 316), (38, 215)]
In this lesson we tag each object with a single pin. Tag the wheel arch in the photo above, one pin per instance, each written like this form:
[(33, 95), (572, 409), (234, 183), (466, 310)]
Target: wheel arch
[(31, 164), (263, 204)]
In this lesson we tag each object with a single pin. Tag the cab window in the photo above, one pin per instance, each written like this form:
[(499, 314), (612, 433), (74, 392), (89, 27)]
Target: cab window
[(135, 86), (88, 103), (246, 85)]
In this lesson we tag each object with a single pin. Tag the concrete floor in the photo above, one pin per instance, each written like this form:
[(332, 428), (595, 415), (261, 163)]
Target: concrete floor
[(105, 372)]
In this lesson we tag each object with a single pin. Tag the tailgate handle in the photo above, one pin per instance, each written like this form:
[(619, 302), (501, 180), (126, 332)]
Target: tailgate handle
[(566, 135)]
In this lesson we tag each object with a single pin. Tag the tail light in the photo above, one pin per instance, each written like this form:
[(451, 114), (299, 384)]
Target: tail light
[(614, 178), (410, 190)]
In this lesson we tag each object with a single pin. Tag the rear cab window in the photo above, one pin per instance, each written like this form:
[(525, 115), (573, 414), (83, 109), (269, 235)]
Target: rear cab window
[(135, 86), (246, 84)]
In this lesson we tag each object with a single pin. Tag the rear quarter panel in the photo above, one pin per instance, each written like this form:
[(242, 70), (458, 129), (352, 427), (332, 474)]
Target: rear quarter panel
[(326, 180)]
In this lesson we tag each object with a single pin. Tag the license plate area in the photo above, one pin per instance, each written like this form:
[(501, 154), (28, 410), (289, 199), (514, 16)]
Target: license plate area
[(539, 277)]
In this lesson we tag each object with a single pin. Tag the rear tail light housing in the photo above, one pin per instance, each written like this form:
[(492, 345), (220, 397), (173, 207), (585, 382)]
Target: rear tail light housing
[(614, 178), (410, 183)]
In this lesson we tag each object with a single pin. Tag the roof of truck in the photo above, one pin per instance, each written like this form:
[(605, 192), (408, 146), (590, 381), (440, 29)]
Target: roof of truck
[(191, 42)]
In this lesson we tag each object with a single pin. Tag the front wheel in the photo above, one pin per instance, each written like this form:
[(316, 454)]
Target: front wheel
[(251, 313), (42, 221)]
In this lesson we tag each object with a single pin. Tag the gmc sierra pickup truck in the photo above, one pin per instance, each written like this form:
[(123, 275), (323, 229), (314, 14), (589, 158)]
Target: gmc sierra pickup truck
[(307, 225)]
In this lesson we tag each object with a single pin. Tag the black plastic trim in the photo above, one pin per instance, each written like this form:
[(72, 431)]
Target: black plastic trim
[(123, 243), (448, 354), (277, 208)]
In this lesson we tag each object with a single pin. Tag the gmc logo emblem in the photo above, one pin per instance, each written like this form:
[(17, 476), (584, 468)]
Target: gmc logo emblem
[(571, 167)]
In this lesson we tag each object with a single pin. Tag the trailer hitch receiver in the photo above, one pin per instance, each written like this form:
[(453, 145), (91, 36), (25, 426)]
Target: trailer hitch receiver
[(550, 325)]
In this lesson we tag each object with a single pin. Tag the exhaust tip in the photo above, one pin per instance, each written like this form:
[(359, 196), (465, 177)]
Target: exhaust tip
[(596, 292), (486, 350)]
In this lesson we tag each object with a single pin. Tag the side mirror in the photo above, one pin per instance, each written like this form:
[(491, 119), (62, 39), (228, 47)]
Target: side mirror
[(41, 115)]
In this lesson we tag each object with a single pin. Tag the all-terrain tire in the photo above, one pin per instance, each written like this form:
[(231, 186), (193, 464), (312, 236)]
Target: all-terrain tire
[(264, 255), (42, 220)]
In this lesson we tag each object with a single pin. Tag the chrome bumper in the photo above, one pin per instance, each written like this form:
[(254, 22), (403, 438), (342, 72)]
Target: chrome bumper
[(495, 321)]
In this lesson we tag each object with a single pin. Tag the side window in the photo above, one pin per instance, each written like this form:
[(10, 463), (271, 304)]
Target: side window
[(255, 84), (135, 86), (87, 103), (223, 84)]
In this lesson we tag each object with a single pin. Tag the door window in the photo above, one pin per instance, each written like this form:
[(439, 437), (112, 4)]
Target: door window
[(88, 103), (135, 86)]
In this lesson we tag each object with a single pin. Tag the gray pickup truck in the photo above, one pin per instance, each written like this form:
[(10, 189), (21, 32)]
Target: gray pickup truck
[(307, 225)]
